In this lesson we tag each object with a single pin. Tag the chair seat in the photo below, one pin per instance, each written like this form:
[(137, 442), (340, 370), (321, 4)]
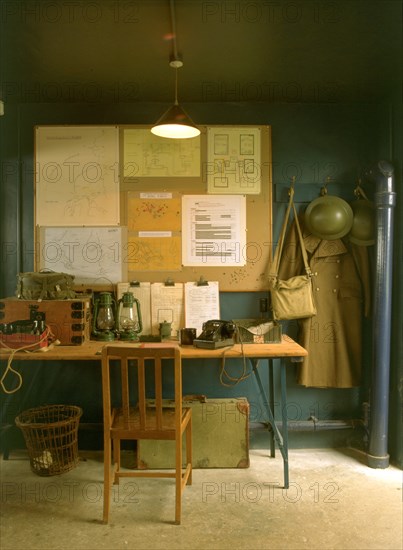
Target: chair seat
[(122, 423)]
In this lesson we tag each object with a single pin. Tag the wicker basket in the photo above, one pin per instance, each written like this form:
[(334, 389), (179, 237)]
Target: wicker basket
[(50, 433)]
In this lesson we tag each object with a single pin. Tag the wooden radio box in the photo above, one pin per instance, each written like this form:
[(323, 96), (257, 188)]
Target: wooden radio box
[(69, 320)]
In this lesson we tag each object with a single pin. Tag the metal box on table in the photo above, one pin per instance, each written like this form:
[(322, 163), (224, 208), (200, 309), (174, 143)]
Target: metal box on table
[(220, 436), (69, 320), (257, 331)]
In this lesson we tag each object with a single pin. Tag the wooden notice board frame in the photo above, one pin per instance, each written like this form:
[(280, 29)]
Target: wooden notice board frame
[(253, 276)]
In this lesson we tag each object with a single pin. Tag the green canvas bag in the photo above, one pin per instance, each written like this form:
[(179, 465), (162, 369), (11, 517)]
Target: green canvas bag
[(291, 298), (45, 285)]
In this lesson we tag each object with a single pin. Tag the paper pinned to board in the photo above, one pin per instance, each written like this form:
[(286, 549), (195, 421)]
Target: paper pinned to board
[(234, 160), (213, 230), (92, 254), (202, 303)]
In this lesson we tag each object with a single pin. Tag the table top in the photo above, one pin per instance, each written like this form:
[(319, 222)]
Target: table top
[(91, 351)]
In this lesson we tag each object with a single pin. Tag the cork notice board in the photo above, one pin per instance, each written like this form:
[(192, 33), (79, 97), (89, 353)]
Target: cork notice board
[(155, 171), (147, 180)]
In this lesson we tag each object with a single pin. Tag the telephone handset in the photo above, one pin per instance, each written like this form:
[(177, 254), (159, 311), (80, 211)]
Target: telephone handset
[(216, 334)]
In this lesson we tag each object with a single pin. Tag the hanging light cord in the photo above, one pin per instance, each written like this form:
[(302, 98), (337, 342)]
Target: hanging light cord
[(176, 86), (173, 28), (175, 62)]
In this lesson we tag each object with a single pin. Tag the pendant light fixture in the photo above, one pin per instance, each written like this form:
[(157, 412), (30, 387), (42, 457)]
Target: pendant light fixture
[(175, 123)]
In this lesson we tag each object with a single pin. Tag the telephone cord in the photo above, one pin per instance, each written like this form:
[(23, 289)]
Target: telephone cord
[(237, 379)]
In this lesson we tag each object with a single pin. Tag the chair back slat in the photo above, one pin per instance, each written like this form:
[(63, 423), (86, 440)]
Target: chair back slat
[(158, 391), (142, 359)]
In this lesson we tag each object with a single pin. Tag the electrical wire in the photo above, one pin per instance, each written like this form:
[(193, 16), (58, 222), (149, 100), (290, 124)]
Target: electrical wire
[(173, 27), (47, 335), (224, 373)]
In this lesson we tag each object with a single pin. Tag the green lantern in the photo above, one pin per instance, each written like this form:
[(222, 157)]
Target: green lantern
[(103, 323), (128, 318)]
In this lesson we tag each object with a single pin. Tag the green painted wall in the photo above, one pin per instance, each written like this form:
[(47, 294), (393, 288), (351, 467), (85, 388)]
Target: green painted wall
[(310, 141)]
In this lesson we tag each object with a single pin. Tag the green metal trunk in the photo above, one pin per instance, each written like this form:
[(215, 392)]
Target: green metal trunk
[(220, 435)]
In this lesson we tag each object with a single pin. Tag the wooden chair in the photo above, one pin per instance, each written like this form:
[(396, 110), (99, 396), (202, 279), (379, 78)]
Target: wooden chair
[(132, 419)]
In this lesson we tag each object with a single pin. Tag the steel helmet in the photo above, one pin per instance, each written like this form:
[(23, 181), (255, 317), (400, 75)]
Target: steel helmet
[(363, 228), (329, 217)]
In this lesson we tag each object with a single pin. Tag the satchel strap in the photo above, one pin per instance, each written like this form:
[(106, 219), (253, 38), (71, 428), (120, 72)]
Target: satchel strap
[(301, 240), (277, 255)]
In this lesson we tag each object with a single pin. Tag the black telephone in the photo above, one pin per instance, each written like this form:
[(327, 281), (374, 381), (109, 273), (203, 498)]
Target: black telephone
[(216, 334)]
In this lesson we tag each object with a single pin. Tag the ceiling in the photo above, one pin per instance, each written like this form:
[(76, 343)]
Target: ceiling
[(233, 51)]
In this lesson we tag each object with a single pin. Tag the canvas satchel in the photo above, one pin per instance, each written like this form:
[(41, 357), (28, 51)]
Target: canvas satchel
[(45, 285), (291, 298)]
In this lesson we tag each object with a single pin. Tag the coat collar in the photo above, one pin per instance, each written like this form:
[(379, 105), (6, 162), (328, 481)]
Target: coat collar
[(324, 248)]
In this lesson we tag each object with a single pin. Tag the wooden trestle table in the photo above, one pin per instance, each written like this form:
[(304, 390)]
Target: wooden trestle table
[(287, 350)]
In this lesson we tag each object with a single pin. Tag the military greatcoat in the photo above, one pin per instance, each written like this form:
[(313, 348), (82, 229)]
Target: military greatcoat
[(341, 284)]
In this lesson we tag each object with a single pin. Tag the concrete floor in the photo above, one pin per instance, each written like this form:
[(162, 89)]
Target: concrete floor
[(334, 501)]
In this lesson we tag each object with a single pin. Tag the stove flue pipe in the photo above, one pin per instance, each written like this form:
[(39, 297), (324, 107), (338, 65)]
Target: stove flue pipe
[(385, 201)]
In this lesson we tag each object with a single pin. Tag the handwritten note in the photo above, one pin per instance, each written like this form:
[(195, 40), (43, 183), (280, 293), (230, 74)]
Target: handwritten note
[(167, 305), (202, 304)]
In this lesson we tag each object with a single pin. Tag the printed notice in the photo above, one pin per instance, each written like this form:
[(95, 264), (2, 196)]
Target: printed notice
[(213, 230)]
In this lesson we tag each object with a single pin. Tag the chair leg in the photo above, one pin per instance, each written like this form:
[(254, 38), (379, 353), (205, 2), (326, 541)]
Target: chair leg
[(178, 478), (107, 479), (189, 457), (116, 459)]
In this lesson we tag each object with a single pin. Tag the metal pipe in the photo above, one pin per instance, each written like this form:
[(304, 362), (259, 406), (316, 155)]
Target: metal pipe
[(314, 424), (321, 425), (385, 201)]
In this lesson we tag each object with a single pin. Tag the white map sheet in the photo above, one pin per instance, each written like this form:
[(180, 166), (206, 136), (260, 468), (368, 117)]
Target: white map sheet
[(77, 175), (94, 255)]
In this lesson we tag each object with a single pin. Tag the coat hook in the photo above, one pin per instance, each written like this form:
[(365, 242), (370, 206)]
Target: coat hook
[(323, 190), (291, 189)]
